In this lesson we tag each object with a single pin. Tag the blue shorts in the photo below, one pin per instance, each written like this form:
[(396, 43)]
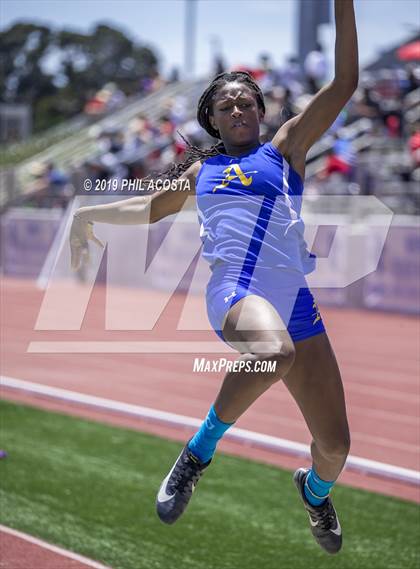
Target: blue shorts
[(286, 289)]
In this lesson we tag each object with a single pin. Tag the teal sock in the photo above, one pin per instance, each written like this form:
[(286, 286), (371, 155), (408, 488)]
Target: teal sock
[(316, 490), (204, 442)]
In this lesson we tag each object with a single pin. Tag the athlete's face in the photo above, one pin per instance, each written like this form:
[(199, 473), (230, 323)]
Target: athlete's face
[(236, 115)]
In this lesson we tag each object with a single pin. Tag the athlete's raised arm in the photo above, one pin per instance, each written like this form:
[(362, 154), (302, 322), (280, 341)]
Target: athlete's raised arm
[(295, 137), (134, 211)]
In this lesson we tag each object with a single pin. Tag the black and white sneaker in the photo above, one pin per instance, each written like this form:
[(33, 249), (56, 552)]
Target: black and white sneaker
[(324, 522), (177, 488)]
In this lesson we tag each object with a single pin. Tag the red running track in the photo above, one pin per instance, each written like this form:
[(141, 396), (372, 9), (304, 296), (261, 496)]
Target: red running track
[(377, 354), (22, 551)]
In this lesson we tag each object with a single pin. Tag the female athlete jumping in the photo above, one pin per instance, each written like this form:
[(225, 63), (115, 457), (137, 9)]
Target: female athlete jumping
[(248, 199)]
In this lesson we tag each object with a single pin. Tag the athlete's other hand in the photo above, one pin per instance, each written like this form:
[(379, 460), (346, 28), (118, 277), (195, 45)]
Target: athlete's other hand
[(81, 232)]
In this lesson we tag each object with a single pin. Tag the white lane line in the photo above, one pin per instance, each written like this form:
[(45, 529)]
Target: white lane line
[(54, 548), (356, 463), (208, 347), (130, 347)]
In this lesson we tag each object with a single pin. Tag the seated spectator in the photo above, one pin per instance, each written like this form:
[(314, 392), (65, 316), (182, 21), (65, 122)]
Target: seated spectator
[(166, 126), (290, 77), (340, 159), (366, 103), (140, 131), (218, 64), (315, 69), (414, 145), (49, 187), (175, 109), (107, 99), (412, 81), (151, 83), (95, 106)]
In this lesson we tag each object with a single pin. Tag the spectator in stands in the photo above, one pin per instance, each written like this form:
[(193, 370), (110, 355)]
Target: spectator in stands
[(265, 73), (174, 75), (96, 169), (279, 108), (95, 105), (412, 81), (115, 97), (414, 146), (176, 109), (340, 159), (149, 144), (219, 64), (107, 99), (110, 140), (151, 83), (140, 131), (288, 109), (290, 77), (193, 132), (49, 187), (166, 126), (366, 103), (315, 69)]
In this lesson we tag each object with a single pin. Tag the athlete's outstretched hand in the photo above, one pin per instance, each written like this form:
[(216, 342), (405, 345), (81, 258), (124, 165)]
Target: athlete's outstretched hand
[(81, 233)]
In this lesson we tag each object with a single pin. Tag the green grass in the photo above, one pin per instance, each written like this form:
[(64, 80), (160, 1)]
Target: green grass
[(91, 488)]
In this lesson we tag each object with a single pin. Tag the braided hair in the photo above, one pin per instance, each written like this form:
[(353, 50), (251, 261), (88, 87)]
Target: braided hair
[(204, 111)]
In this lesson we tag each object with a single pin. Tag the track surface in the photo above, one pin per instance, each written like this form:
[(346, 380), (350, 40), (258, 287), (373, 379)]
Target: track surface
[(377, 353), (20, 551)]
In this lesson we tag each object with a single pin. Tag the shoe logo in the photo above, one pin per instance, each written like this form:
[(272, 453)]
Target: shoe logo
[(313, 524), (227, 298), (163, 496), (337, 530)]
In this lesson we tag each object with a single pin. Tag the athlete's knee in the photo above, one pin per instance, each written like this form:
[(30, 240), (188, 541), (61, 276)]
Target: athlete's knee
[(281, 354), (284, 357), (335, 448)]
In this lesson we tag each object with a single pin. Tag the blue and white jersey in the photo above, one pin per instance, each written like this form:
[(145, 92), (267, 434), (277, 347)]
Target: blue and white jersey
[(249, 211)]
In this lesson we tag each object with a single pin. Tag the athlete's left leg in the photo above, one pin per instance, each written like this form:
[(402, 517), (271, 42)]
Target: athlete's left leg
[(314, 381)]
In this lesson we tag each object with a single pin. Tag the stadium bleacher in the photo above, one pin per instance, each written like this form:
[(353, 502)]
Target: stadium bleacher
[(370, 151)]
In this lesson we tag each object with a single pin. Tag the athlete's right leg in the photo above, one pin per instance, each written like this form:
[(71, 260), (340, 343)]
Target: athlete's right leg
[(255, 329)]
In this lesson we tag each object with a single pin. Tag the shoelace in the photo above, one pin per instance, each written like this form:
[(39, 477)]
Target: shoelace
[(325, 516), (185, 475)]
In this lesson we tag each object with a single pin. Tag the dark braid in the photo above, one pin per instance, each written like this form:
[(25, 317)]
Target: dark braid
[(204, 110), (192, 155)]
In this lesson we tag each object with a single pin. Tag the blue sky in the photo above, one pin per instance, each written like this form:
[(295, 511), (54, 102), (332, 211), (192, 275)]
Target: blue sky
[(245, 28)]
